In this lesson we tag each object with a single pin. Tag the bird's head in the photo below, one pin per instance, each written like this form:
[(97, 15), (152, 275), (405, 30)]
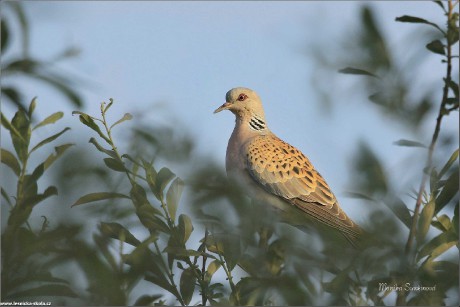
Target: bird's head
[(243, 102)]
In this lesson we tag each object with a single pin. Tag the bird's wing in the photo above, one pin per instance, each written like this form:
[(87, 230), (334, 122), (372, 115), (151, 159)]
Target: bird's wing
[(283, 170)]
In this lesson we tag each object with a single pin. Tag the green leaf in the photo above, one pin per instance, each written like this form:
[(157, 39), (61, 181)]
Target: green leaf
[(440, 4), (455, 220), (32, 106), (147, 214), (21, 144), (212, 268), (4, 35), (182, 252), (50, 120), (357, 195), (356, 71), (164, 177), (399, 208), (92, 197), (89, 121), (13, 95), (149, 218), (448, 192), (438, 245), (49, 139), (29, 187), (6, 123), (10, 160), (160, 281), (59, 151), (443, 223), (111, 153), (425, 220), (413, 19), (436, 46), (50, 290), (114, 164), (107, 107), (453, 86), (125, 117), (173, 196), (187, 285), (449, 163), (117, 231), (452, 29), (5, 195), (157, 181), (409, 143), (147, 300), (33, 199), (185, 228)]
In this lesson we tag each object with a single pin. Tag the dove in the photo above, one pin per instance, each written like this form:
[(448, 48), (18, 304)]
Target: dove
[(276, 173)]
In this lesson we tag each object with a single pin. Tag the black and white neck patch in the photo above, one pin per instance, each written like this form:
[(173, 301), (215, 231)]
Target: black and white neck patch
[(256, 123)]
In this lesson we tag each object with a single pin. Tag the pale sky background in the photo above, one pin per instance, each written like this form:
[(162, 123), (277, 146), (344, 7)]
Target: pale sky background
[(187, 55)]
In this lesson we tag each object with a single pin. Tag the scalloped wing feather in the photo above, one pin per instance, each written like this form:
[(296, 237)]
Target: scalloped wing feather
[(284, 171)]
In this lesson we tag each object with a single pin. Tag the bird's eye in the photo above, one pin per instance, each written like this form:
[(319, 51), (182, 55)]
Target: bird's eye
[(242, 97)]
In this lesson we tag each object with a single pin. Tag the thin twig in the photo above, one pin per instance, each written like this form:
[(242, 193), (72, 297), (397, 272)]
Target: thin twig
[(434, 139)]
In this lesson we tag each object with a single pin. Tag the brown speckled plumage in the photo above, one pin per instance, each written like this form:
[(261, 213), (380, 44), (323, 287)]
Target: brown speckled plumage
[(262, 160)]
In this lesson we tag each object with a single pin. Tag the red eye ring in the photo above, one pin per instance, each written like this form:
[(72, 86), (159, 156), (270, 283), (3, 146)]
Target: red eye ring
[(242, 97)]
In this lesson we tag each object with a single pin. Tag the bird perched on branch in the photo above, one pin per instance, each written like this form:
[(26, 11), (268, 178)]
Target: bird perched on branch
[(277, 173)]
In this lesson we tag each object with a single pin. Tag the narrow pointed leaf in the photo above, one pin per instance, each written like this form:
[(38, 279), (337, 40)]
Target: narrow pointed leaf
[(12, 94), (425, 221), (212, 268), (412, 19), (173, 196), (5, 195), (453, 86), (89, 121), (114, 165), (399, 208), (181, 251), (32, 200), (164, 178), (50, 290), (58, 151), (455, 220), (10, 160), (356, 71), (125, 117), (440, 4), (443, 223), (21, 144), (448, 192), (185, 228), (106, 108), (49, 139), (409, 143), (50, 119), (187, 285), (32, 106), (438, 245), (102, 149), (92, 197), (116, 231), (436, 46), (449, 163), (147, 300), (6, 123)]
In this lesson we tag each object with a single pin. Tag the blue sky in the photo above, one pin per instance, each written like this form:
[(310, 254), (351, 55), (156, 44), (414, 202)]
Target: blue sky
[(174, 61), (184, 56)]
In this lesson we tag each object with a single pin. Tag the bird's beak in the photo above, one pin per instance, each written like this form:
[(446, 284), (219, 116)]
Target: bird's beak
[(225, 106)]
